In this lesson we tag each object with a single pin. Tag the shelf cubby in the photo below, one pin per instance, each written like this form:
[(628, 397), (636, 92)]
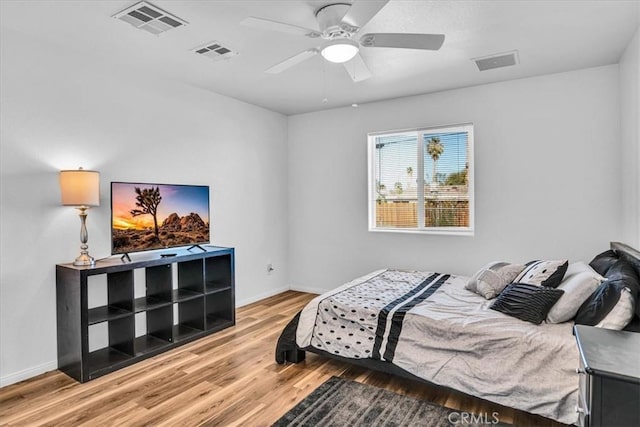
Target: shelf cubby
[(218, 273), (120, 289), (120, 347), (190, 319), (191, 276), (105, 359), (184, 298), (219, 311), (159, 282), (119, 299), (160, 323)]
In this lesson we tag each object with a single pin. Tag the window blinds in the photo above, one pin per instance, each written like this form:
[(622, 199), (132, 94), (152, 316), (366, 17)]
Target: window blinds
[(422, 179)]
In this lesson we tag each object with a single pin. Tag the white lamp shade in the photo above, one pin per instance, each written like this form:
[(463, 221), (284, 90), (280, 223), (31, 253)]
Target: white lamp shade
[(340, 50), (80, 187)]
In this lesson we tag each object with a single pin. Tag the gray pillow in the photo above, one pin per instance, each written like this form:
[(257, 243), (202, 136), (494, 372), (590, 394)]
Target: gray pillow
[(490, 280), (577, 288)]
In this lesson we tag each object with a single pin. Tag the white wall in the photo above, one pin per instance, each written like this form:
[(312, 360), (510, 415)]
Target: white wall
[(546, 168), (62, 110), (630, 139)]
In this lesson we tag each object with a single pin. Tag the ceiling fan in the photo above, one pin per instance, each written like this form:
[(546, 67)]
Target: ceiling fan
[(338, 24)]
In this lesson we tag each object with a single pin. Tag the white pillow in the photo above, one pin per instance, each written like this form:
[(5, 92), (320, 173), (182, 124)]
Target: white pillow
[(543, 273), (490, 280), (577, 288), (621, 314), (579, 267)]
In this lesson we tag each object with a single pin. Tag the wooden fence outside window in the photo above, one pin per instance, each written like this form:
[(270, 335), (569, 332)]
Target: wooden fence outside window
[(445, 213)]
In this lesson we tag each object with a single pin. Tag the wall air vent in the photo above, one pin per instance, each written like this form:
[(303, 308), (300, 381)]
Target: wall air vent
[(498, 60), (150, 18), (215, 51)]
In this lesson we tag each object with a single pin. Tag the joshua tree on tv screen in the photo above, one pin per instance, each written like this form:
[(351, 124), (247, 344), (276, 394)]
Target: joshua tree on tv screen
[(147, 200)]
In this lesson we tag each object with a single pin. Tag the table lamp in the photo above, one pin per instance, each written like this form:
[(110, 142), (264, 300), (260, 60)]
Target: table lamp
[(81, 188)]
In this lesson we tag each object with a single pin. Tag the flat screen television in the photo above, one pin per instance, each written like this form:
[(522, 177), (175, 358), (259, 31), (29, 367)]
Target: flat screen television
[(158, 216)]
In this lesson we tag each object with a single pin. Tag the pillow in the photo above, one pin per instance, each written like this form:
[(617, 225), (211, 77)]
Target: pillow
[(621, 285), (604, 261), (581, 267), (605, 301), (490, 280), (623, 270), (543, 273), (527, 302), (621, 314), (577, 288), (626, 272), (634, 262)]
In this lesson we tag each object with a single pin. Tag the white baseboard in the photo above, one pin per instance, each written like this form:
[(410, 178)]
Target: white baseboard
[(308, 289), (255, 298), (28, 373)]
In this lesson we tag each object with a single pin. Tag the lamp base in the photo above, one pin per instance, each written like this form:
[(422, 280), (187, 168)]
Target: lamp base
[(84, 259)]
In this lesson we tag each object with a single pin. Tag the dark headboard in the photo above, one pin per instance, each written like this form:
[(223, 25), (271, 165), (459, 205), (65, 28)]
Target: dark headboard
[(632, 256)]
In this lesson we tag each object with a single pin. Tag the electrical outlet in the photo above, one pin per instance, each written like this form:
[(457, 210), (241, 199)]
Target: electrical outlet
[(270, 268)]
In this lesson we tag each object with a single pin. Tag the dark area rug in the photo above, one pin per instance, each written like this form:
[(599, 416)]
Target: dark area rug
[(340, 402)]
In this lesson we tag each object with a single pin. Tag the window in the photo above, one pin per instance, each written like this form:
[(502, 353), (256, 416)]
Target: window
[(422, 180)]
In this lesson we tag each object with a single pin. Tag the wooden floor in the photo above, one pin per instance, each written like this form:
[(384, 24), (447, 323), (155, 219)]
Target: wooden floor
[(227, 379)]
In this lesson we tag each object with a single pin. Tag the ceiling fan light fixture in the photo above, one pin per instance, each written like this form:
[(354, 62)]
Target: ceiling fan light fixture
[(340, 50)]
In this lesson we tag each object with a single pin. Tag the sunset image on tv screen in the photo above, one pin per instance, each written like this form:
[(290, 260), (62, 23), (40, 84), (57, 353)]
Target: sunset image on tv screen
[(156, 216)]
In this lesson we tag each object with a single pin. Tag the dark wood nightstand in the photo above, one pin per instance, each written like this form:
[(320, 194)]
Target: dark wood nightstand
[(609, 377)]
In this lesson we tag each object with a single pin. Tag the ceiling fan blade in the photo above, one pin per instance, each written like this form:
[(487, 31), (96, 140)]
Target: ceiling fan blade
[(267, 24), (362, 11), (357, 69), (290, 62), (405, 41)]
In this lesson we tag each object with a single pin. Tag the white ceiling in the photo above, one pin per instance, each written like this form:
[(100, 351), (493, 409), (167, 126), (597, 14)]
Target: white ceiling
[(550, 36)]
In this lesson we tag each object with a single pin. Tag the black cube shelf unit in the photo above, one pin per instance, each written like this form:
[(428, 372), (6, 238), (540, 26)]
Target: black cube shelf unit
[(203, 300)]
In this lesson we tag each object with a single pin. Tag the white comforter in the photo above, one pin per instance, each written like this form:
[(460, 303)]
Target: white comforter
[(448, 336)]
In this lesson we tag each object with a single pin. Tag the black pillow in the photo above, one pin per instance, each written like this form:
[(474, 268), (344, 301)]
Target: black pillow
[(634, 262), (600, 303), (604, 261), (627, 274), (623, 270), (619, 276), (527, 302)]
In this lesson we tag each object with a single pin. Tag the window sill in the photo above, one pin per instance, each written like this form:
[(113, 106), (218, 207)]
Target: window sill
[(466, 232)]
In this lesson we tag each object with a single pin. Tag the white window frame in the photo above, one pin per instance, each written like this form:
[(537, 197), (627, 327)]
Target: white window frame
[(419, 133)]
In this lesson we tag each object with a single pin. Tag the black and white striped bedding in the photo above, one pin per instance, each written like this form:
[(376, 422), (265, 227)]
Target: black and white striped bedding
[(429, 325), (365, 320)]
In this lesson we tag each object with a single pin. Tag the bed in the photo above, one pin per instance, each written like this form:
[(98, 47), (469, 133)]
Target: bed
[(427, 326)]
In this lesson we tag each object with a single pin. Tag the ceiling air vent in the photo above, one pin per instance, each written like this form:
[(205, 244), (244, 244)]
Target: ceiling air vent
[(498, 60), (150, 18), (215, 51)]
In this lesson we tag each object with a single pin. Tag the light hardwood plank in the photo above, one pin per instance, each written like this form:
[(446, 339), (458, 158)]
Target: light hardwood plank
[(227, 379)]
